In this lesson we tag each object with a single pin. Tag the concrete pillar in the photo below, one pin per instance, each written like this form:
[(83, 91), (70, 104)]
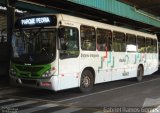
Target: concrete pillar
[(10, 27)]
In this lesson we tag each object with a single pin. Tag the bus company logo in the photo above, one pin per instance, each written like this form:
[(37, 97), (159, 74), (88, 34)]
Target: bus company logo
[(90, 55), (26, 64)]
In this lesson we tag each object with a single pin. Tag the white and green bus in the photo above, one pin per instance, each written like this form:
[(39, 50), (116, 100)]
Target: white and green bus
[(59, 51)]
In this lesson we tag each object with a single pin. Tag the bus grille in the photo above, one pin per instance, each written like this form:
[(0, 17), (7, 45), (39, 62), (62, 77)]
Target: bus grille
[(30, 82), (29, 69)]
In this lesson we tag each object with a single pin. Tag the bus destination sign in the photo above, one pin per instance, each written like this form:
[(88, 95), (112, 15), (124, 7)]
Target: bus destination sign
[(34, 21), (38, 21)]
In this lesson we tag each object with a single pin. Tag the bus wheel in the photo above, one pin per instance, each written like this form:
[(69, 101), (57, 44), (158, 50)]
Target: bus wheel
[(139, 73), (87, 81)]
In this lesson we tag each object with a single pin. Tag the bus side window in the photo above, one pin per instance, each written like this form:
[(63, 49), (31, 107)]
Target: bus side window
[(88, 38), (69, 42), (104, 40), (149, 45), (141, 44), (119, 44), (131, 43), (155, 45)]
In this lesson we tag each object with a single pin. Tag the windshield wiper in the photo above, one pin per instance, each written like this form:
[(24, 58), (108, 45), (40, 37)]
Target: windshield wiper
[(22, 31), (34, 34), (39, 30)]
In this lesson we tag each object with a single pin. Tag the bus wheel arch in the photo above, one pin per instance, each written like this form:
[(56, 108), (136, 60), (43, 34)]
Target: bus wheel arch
[(140, 72), (87, 80)]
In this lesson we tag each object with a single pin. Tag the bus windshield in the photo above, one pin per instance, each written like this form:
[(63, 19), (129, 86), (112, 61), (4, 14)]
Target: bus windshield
[(34, 46)]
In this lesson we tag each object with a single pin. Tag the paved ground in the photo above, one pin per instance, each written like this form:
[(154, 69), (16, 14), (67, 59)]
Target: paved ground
[(119, 96), (26, 105)]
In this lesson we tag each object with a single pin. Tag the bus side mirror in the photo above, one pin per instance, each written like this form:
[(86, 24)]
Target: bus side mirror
[(61, 32)]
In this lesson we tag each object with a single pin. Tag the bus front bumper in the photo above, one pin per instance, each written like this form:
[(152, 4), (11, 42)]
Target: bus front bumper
[(43, 83)]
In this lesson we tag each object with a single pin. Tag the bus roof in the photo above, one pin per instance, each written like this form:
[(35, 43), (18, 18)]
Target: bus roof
[(103, 25)]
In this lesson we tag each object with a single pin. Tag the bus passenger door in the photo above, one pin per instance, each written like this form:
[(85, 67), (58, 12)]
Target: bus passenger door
[(68, 57), (130, 57), (118, 65), (119, 47)]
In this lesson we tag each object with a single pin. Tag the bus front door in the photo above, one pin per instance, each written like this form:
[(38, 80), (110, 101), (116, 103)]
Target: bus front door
[(68, 72)]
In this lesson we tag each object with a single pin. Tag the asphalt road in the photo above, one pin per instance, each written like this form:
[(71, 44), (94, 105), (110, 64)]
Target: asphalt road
[(116, 95)]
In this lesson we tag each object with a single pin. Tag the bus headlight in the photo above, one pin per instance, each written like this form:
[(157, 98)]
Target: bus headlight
[(47, 74), (12, 72)]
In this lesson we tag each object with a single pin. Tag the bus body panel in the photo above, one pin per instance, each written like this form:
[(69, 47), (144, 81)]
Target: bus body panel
[(107, 65), (69, 72), (151, 64), (104, 69), (130, 65)]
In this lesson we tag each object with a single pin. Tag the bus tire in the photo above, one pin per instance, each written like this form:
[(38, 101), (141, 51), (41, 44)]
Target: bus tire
[(140, 73), (87, 81)]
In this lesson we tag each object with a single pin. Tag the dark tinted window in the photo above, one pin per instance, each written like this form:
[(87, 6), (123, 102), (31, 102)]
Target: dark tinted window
[(141, 44), (88, 38), (149, 43), (69, 42), (155, 45), (104, 39), (131, 43), (119, 42)]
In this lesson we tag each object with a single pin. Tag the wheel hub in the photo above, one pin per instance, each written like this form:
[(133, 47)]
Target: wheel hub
[(86, 81)]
